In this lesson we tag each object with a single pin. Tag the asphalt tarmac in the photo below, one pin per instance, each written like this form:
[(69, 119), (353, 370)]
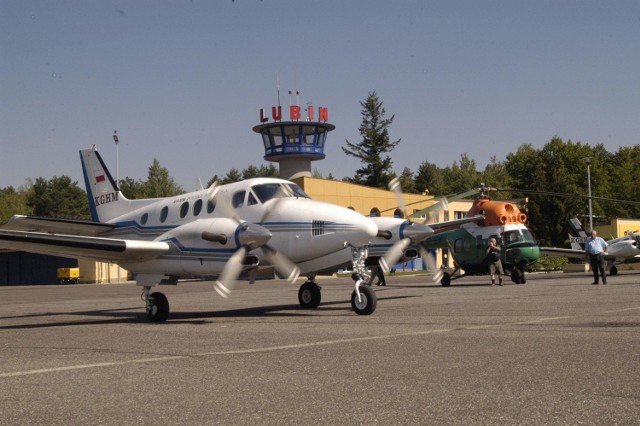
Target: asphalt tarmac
[(556, 350)]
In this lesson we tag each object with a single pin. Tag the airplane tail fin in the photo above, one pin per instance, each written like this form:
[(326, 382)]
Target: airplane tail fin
[(106, 202), (577, 234)]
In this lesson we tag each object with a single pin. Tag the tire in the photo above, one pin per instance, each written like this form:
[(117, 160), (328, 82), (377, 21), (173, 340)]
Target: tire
[(613, 271), (445, 281), (368, 302), (158, 307), (309, 295), (523, 280)]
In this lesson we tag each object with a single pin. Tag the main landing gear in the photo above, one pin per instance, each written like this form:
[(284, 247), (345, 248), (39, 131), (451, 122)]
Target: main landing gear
[(156, 303), (309, 294)]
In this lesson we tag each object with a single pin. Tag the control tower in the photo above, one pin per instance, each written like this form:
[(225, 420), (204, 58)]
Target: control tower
[(294, 144)]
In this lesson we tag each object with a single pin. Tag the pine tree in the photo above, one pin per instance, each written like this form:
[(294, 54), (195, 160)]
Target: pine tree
[(375, 143)]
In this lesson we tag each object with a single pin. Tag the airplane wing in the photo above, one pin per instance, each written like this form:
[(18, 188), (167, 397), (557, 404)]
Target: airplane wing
[(85, 247), (56, 225), (563, 252)]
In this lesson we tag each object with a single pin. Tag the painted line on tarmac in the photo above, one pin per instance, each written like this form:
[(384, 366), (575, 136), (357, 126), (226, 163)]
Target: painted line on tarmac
[(84, 366), (290, 347)]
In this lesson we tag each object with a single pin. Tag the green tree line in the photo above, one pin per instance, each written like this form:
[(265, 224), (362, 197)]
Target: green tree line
[(559, 166)]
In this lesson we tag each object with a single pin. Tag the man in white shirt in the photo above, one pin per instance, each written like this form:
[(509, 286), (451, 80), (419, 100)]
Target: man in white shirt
[(595, 248)]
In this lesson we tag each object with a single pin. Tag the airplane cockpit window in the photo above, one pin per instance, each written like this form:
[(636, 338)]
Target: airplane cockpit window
[(251, 201), (267, 191), (297, 191), (238, 199)]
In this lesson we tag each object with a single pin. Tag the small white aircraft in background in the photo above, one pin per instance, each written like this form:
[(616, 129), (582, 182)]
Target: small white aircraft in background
[(218, 232), (625, 249)]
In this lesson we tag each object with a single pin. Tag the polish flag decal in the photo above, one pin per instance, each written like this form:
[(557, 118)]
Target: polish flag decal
[(100, 178)]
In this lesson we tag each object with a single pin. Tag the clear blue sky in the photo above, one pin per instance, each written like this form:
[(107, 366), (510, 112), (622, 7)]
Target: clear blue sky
[(182, 81)]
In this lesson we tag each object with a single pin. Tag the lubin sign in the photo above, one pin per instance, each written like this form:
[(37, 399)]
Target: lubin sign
[(295, 113)]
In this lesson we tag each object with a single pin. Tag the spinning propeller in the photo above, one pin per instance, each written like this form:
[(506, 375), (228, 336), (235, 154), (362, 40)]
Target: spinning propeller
[(413, 233), (250, 236)]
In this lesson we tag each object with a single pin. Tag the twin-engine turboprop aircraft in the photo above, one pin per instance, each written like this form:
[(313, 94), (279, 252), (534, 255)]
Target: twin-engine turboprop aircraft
[(625, 249), (218, 232)]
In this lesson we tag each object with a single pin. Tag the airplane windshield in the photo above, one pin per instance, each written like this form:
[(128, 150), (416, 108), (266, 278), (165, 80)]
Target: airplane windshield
[(297, 191), (268, 191)]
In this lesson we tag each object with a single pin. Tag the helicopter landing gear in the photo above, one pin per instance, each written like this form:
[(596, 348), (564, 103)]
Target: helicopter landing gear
[(517, 274), (445, 281)]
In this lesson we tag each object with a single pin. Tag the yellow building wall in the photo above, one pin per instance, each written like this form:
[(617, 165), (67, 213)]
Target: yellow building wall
[(618, 228), (101, 272), (361, 198)]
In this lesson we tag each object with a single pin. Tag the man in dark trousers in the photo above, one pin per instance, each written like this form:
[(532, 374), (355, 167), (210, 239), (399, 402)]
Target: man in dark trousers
[(493, 259), (596, 247)]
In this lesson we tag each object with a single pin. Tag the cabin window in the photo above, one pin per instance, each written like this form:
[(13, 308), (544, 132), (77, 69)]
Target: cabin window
[(197, 207), (144, 218), (184, 209), (398, 213), (238, 199), (375, 212), (211, 206), (164, 213), (251, 201), (458, 245)]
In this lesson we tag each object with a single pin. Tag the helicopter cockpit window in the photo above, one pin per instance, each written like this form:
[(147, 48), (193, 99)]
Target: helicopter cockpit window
[(515, 236)]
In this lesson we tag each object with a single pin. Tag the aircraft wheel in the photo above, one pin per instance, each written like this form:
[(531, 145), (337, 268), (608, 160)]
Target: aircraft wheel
[(523, 280), (309, 295), (158, 310), (613, 270), (445, 281), (367, 303)]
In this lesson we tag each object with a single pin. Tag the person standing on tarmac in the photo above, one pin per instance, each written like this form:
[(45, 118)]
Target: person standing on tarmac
[(595, 248), (495, 264)]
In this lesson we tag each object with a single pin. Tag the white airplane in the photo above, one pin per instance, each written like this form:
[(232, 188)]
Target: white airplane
[(625, 249), (219, 232)]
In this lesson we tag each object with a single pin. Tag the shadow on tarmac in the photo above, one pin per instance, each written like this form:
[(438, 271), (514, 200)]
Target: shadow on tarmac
[(126, 316)]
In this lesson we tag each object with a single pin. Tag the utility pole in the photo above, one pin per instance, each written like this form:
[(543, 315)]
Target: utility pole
[(589, 183)]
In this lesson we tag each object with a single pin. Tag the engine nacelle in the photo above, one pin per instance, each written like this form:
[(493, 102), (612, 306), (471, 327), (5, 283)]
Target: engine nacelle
[(204, 234)]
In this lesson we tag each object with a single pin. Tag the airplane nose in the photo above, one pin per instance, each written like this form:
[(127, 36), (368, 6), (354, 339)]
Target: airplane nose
[(252, 235), (366, 230), (416, 231)]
